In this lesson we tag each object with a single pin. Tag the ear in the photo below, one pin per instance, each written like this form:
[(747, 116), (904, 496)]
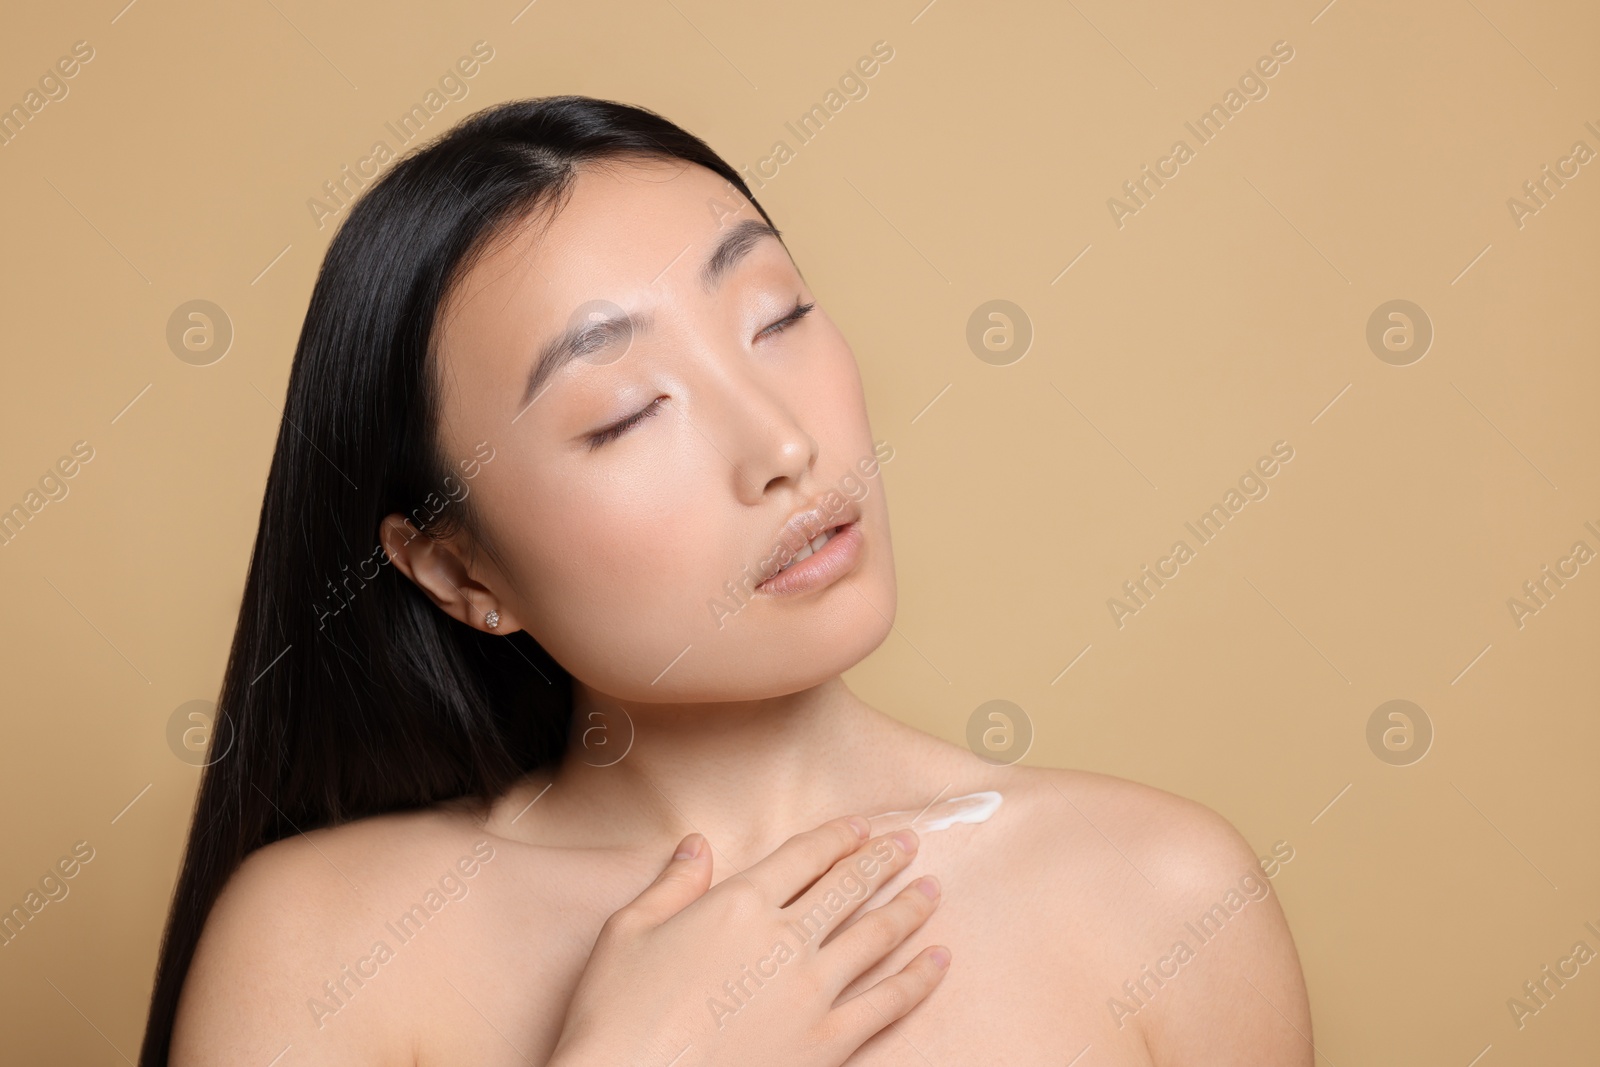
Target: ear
[(438, 569)]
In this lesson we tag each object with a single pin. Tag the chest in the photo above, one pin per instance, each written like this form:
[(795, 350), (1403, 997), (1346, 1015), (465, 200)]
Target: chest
[(1028, 983)]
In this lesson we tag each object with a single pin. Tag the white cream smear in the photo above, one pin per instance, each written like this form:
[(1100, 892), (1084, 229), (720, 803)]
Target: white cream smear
[(971, 808)]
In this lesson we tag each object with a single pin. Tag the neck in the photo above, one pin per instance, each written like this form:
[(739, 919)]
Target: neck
[(746, 774)]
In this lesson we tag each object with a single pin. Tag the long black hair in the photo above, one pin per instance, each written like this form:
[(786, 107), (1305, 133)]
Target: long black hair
[(347, 692)]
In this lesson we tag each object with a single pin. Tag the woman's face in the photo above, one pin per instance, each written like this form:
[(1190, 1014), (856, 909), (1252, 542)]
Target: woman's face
[(632, 559)]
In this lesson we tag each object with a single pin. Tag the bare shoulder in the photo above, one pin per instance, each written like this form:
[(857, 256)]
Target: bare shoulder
[(1198, 953), (293, 953), (1179, 840)]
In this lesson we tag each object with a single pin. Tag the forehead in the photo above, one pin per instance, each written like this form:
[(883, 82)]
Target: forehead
[(620, 224)]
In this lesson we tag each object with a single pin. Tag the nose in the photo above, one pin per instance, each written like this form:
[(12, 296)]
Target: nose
[(756, 431)]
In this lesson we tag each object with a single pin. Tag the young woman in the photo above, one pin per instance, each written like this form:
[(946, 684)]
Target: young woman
[(515, 626)]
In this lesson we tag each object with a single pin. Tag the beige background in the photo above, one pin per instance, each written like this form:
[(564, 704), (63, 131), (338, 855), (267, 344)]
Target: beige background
[(1229, 313)]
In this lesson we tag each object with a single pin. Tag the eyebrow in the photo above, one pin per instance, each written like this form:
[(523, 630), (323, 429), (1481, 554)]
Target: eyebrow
[(595, 334), (733, 247)]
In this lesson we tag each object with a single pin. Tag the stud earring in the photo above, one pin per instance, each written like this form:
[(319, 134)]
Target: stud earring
[(493, 618)]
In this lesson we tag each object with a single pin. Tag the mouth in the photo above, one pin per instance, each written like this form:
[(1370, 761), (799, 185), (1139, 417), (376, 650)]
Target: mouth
[(812, 560), (814, 545)]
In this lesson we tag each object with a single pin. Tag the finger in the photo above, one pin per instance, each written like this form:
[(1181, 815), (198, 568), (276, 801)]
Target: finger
[(877, 932), (683, 880), (799, 861), (858, 1018), (837, 895)]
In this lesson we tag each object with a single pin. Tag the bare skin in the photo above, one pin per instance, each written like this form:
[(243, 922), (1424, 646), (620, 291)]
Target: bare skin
[(742, 729), (1045, 907)]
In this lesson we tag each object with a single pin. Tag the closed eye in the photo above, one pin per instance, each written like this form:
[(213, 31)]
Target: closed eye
[(613, 432), (800, 311)]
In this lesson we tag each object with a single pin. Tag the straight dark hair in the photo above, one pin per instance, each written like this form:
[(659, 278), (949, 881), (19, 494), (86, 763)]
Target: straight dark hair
[(349, 694)]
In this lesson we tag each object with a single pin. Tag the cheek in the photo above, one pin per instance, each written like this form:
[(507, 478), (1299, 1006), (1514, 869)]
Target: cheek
[(616, 576), (843, 371), (824, 391)]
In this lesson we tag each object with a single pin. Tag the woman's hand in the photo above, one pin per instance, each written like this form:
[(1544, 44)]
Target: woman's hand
[(739, 974)]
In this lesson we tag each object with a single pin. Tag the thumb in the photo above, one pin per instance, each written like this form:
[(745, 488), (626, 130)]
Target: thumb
[(681, 882)]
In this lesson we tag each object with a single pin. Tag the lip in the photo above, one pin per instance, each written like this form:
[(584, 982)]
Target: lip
[(837, 558)]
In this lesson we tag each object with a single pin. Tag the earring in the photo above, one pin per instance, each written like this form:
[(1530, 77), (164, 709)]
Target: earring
[(493, 618)]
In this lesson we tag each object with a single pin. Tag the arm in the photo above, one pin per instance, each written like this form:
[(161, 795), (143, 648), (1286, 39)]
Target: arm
[(280, 930), (1237, 995)]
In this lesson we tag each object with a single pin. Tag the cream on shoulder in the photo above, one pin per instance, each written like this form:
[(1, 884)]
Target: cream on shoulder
[(971, 808)]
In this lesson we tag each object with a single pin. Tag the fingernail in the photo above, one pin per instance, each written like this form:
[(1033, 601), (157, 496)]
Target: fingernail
[(940, 957), (861, 826), (690, 848), (929, 886), (906, 840)]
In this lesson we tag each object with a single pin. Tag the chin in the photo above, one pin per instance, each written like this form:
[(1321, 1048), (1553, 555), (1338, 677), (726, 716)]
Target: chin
[(804, 643), (776, 647)]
